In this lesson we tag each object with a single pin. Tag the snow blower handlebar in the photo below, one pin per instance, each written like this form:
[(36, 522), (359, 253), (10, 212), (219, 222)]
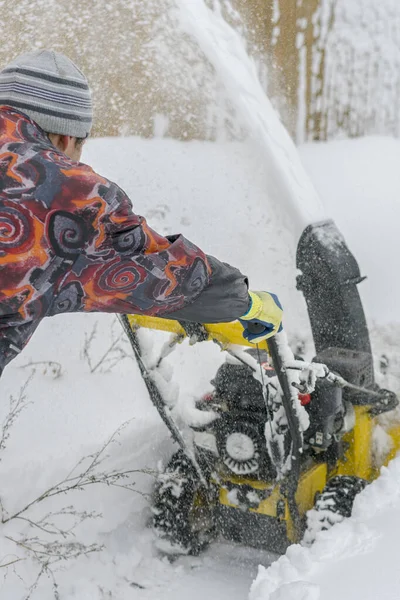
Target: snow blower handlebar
[(157, 398), (224, 333), (295, 434)]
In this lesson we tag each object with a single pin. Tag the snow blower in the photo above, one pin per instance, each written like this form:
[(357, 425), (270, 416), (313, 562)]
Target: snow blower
[(291, 443)]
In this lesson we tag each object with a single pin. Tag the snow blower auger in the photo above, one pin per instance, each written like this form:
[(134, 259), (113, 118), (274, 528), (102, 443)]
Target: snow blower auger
[(287, 437)]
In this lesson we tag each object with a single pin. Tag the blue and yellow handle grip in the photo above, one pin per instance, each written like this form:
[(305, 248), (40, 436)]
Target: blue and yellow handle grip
[(224, 333)]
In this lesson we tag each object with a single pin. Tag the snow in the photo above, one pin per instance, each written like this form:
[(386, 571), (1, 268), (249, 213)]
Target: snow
[(187, 187), (356, 559), (229, 199), (75, 404)]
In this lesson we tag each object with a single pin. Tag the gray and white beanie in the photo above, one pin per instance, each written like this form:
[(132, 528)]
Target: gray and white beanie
[(49, 88)]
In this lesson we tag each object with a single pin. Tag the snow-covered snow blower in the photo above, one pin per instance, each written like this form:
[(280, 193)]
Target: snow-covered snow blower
[(286, 437), (292, 443)]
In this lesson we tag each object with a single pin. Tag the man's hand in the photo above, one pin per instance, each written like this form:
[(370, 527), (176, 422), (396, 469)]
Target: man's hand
[(264, 315)]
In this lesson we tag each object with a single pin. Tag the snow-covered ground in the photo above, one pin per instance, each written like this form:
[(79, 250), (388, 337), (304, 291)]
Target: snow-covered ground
[(356, 560), (217, 195)]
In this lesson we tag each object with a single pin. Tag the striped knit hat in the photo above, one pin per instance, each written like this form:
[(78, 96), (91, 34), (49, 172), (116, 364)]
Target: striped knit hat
[(51, 90)]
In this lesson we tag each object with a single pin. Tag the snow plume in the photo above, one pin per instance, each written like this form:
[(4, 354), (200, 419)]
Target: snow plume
[(226, 50), (146, 76)]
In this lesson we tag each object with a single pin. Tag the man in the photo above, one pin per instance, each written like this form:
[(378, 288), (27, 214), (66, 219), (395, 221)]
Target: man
[(69, 239)]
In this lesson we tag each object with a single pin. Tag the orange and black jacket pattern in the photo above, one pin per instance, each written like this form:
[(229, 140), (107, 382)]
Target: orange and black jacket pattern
[(70, 242)]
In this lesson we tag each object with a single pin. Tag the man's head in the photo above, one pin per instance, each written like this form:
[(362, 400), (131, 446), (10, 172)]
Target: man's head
[(49, 88)]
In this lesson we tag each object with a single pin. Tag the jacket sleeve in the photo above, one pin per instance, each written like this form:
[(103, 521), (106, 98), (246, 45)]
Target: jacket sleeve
[(224, 299), (126, 267), (13, 340)]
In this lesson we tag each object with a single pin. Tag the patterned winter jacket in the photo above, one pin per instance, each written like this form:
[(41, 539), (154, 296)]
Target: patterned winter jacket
[(70, 242)]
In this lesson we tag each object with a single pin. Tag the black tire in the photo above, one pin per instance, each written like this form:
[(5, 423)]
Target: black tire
[(333, 505), (183, 509)]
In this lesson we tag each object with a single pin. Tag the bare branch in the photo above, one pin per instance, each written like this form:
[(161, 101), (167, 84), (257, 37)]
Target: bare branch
[(17, 405), (54, 366), (112, 356), (87, 477), (58, 528), (10, 562), (87, 345)]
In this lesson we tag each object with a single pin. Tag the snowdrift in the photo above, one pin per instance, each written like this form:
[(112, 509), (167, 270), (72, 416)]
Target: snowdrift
[(357, 559)]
